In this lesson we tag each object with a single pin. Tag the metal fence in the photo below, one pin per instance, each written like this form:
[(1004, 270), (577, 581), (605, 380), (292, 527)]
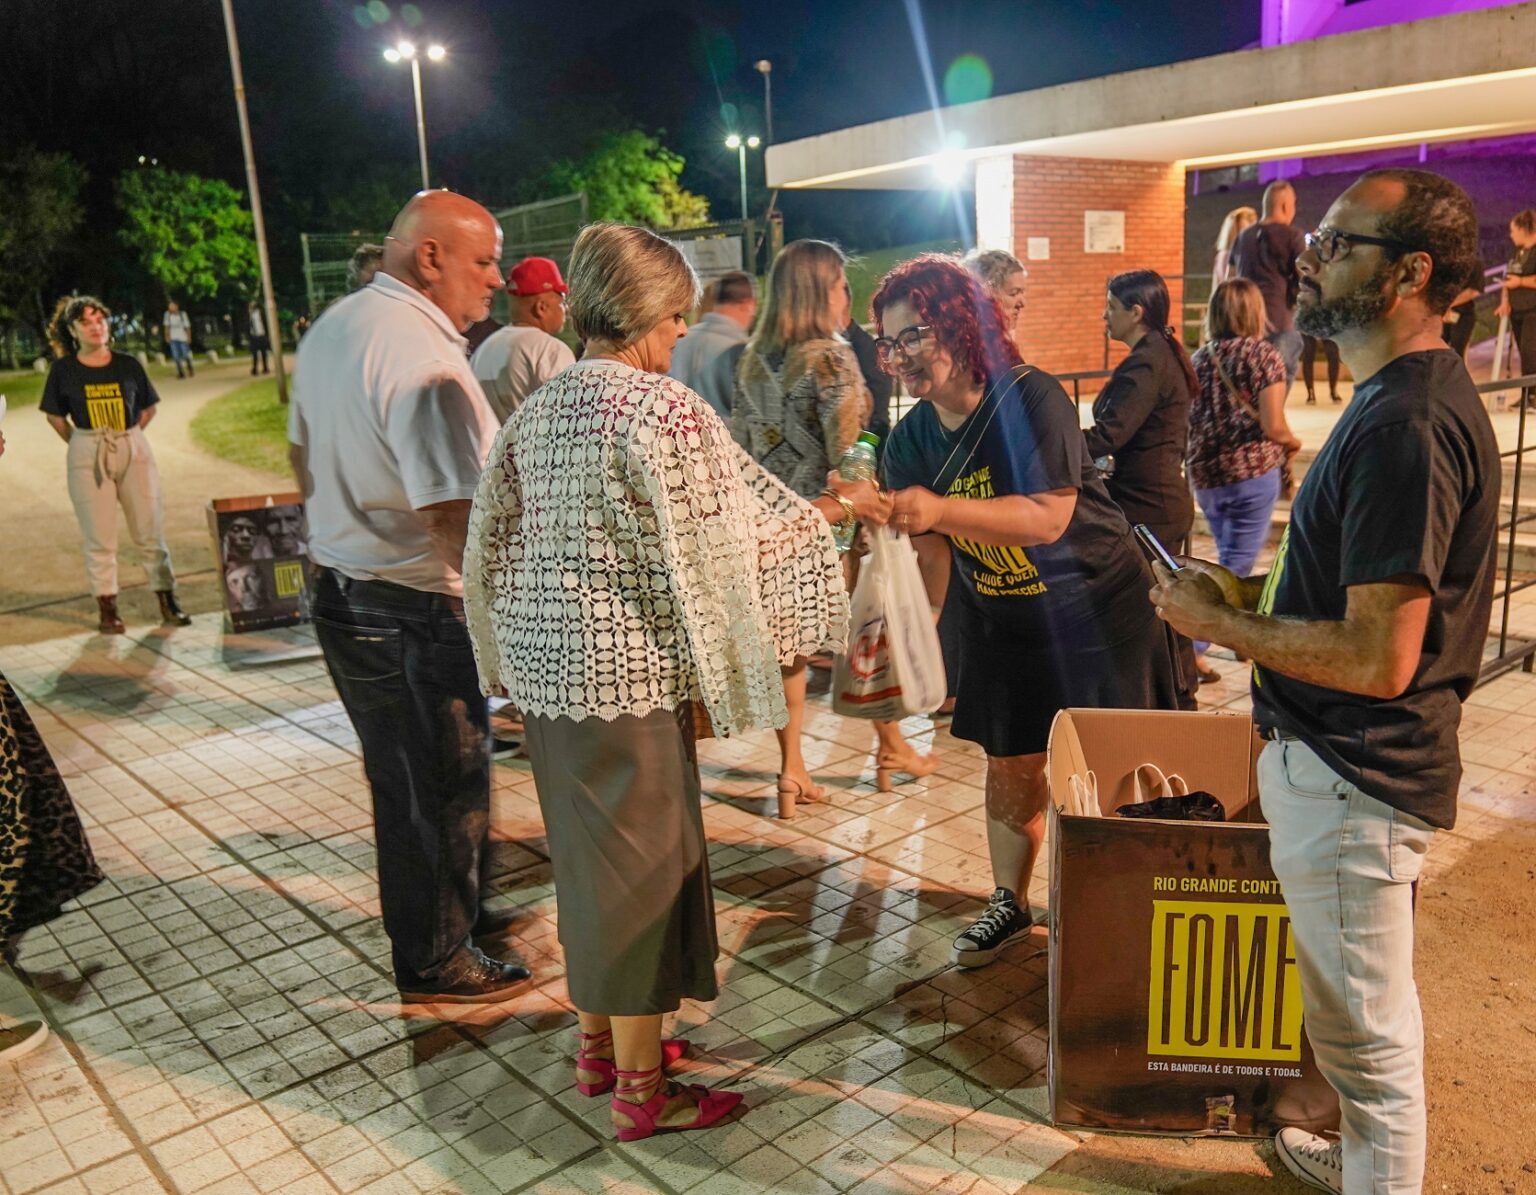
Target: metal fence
[(326, 255), (547, 228), (544, 229), (1510, 649)]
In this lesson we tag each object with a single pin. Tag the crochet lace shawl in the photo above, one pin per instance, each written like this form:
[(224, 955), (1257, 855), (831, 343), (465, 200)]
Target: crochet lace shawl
[(624, 556)]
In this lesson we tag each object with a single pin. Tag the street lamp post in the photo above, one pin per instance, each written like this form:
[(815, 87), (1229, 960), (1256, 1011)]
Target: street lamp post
[(405, 51), (734, 141), (764, 67)]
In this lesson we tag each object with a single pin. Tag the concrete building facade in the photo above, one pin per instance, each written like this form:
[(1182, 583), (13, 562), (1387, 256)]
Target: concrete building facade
[(1086, 179)]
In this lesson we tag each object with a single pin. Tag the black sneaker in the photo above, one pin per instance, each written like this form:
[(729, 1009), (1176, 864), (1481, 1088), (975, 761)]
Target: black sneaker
[(994, 929), (480, 980)]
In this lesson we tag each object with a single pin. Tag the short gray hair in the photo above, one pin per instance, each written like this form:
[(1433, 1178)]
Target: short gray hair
[(992, 266), (365, 263), (624, 281)]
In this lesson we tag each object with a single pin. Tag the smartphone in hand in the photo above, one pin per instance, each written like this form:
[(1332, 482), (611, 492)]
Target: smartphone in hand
[(1154, 549)]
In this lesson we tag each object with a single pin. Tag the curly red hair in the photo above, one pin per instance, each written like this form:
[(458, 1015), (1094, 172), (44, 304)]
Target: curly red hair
[(964, 317)]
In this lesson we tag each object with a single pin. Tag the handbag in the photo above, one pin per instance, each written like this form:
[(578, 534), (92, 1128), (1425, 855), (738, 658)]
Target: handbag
[(1169, 798), (1287, 478)]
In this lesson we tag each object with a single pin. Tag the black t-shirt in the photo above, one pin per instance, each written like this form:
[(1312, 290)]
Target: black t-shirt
[(1523, 264), (112, 396), (1407, 485), (1266, 254), (1141, 418), (1075, 587)]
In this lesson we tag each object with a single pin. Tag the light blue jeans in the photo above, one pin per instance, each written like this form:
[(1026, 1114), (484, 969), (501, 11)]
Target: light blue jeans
[(1346, 863), (1238, 515), (1289, 345)]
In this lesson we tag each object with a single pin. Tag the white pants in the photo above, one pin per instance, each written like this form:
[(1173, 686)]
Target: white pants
[(108, 469), (1345, 862)]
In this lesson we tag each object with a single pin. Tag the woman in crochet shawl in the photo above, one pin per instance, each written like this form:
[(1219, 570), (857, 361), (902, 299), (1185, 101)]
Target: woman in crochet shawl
[(627, 562)]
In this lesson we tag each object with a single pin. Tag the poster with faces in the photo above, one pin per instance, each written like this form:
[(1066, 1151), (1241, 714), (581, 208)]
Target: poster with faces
[(263, 559)]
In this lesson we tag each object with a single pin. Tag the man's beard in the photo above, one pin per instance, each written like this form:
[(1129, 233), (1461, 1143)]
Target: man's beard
[(1324, 319)]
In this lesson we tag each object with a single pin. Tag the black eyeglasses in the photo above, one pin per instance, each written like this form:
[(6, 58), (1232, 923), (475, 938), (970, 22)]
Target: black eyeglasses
[(907, 340), (1333, 244)]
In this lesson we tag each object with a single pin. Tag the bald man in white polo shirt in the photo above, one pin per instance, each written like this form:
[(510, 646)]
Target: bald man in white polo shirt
[(388, 432)]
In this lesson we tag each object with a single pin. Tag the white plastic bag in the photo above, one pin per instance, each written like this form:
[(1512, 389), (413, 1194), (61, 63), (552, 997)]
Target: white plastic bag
[(894, 665)]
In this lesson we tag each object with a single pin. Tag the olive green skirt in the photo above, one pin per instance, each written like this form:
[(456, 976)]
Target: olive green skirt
[(631, 866)]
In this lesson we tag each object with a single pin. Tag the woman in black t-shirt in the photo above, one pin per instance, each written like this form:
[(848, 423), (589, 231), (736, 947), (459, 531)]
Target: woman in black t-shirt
[(99, 402), (1050, 591), (1519, 301)]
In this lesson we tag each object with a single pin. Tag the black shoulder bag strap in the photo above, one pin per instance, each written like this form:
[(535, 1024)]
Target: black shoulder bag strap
[(981, 420)]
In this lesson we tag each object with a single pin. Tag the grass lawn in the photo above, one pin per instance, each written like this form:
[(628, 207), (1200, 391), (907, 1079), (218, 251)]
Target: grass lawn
[(247, 426), (24, 388)]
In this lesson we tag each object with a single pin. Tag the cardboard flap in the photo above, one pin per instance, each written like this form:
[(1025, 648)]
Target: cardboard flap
[(1211, 750)]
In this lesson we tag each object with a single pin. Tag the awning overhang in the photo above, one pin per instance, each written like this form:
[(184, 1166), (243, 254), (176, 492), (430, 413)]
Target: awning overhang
[(1451, 78)]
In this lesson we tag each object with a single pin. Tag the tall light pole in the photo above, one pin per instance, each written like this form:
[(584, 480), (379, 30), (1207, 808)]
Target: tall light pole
[(735, 142), (259, 225), (764, 68), (404, 51)]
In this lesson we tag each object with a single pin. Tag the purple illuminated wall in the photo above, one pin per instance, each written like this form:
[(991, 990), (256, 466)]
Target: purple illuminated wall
[(1286, 21)]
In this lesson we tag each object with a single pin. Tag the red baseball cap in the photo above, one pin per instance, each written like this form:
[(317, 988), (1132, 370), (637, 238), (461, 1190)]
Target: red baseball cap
[(534, 276)]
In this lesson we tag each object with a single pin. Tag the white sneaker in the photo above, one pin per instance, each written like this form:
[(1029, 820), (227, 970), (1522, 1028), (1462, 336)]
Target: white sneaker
[(20, 1037), (1315, 1160)]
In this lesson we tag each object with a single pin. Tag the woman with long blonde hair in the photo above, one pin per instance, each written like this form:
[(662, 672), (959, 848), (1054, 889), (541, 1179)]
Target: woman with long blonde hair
[(800, 402), (1236, 220)]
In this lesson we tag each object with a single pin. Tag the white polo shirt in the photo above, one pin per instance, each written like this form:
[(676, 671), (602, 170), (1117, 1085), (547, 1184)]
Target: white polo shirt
[(514, 362), (391, 420)]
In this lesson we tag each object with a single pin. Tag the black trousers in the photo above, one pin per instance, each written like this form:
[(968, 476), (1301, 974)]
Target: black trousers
[(1522, 331), (403, 666)]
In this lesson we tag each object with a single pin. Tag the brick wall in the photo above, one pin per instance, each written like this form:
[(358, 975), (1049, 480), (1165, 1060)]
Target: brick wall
[(1061, 330)]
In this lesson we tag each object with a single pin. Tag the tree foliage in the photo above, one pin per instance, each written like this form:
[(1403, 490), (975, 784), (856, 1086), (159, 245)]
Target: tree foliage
[(40, 209), (191, 234), (629, 176)]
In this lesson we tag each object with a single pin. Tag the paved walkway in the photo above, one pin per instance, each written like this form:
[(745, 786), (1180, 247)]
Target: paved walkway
[(43, 590), (226, 1022)]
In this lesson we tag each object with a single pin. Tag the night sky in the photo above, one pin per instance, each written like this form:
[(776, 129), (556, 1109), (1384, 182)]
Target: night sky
[(526, 83)]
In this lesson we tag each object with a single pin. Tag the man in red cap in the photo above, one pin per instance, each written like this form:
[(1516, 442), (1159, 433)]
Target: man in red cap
[(516, 360)]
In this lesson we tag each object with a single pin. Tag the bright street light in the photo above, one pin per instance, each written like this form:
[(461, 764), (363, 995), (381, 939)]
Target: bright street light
[(764, 67), (734, 141), (405, 51)]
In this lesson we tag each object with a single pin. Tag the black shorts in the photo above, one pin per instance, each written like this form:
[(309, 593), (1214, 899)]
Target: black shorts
[(1009, 690)]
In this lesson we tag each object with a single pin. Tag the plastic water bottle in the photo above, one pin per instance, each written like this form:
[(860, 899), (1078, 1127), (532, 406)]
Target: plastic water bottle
[(859, 463)]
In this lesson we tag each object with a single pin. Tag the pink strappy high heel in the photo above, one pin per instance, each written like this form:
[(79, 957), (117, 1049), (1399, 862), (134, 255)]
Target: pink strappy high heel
[(710, 1107), (601, 1073)]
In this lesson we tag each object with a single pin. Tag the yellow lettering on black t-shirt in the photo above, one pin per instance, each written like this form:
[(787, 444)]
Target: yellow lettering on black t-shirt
[(1010, 573), (104, 406)]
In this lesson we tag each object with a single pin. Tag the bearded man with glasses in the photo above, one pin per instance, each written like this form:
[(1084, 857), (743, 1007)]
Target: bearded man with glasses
[(1366, 636)]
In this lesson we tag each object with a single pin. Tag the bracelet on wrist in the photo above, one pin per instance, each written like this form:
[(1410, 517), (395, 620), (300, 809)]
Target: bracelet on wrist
[(850, 516)]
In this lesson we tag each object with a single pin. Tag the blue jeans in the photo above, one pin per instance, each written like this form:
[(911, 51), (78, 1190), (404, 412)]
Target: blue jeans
[(1289, 345), (405, 671), (181, 353), (1239, 514)]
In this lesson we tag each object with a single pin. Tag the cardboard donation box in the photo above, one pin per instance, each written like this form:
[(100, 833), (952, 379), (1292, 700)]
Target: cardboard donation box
[(1174, 995), (261, 546)]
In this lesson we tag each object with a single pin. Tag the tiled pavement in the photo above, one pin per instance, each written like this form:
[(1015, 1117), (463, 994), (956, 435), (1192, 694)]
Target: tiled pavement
[(226, 1022)]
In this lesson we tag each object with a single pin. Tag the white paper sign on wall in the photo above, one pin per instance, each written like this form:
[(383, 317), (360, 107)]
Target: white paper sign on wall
[(1039, 248), (1103, 232)]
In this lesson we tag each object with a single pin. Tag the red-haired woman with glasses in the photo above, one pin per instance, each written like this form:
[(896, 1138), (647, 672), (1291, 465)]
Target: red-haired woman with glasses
[(991, 473)]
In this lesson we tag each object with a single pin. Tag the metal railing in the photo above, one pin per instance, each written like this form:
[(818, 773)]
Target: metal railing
[(1510, 651)]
